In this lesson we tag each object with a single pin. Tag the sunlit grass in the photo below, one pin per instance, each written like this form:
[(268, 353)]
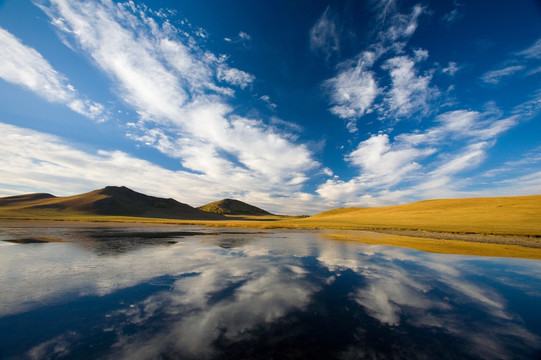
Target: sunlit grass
[(503, 215), (440, 246)]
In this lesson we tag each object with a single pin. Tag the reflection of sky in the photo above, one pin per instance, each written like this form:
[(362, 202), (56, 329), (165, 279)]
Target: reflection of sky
[(203, 294)]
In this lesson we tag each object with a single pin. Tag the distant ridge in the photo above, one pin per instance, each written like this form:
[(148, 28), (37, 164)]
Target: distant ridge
[(21, 199), (233, 207), (111, 200)]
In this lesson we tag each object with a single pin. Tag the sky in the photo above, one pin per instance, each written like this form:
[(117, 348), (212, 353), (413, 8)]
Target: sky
[(293, 106)]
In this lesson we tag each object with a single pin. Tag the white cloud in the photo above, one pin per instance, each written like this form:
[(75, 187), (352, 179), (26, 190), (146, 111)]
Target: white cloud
[(380, 162), (353, 90), (451, 68), (290, 126), (267, 100), (24, 66), (420, 164), (161, 72), (520, 162), (235, 77), (327, 171), (495, 76), (533, 52), (459, 125), (410, 92), (402, 26), (244, 36), (525, 62), (324, 35)]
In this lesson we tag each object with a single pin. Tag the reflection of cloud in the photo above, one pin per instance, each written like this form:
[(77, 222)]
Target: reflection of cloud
[(262, 291), (426, 291), (217, 296), (57, 347)]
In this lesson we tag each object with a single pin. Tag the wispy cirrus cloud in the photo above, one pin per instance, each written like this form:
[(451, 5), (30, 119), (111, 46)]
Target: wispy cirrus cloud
[(522, 63), (532, 52), (325, 35), (24, 66), (454, 15), (180, 93), (495, 76)]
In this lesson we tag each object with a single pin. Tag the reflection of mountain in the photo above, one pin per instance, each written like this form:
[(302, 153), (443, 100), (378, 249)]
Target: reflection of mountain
[(233, 207), (111, 200)]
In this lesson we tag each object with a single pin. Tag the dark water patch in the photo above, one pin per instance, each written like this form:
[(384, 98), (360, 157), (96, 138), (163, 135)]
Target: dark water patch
[(146, 234), (34, 240)]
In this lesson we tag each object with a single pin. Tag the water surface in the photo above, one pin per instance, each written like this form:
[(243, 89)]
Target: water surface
[(199, 293)]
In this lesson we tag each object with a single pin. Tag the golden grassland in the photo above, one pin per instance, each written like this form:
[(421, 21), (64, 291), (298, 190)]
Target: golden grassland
[(440, 246), (520, 215), (502, 226)]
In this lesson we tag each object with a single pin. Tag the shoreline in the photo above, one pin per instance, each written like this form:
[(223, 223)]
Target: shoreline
[(528, 241), (511, 246)]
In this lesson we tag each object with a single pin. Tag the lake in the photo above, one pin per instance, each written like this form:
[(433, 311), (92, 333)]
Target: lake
[(204, 293)]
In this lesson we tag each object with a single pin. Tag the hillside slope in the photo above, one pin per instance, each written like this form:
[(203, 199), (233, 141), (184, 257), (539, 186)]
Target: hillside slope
[(111, 200), (233, 207), (495, 215)]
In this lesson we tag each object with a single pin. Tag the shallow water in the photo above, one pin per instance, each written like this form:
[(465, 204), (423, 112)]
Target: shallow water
[(200, 293)]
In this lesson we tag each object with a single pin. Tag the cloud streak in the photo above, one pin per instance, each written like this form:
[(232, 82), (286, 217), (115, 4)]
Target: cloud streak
[(325, 35), (524, 63), (24, 66)]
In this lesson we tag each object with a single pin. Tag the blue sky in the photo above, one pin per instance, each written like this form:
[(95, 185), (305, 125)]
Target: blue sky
[(293, 106)]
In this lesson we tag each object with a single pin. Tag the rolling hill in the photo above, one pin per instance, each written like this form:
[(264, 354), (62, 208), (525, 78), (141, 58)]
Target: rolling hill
[(233, 207), (517, 215), (109, 201)]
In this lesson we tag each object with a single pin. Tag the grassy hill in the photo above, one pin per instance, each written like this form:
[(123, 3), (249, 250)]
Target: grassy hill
[(517, 215), (109, 201), (233, 207)]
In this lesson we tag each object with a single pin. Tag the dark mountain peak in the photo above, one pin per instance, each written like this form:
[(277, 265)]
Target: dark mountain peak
[(121, 200), (233, 207), (115, 190)]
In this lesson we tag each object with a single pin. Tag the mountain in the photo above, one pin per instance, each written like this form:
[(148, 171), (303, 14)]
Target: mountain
[(233, 207), (111, 200)]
